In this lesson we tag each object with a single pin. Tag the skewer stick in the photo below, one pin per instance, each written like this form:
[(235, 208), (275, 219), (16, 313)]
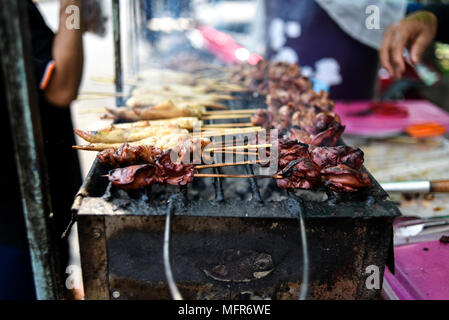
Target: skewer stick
[(104, 94), (232, 111), (226, 128), (91, 110), (226, 142), (110, 80), (248, 146), (220, 165), (212, 175), (237, 131), (238, 153), (228, 125), (226, 116)]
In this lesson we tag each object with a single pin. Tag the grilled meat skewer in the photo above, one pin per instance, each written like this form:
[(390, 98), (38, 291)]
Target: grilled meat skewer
[(301, 167)]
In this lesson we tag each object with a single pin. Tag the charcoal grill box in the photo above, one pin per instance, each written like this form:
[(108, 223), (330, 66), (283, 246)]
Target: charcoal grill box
[(238, 248)]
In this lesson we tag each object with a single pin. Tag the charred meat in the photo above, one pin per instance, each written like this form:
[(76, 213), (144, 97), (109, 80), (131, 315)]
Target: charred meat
[(342, 178)]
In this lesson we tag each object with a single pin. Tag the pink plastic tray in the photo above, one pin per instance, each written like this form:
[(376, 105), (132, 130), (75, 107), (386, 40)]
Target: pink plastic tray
[(421, 272), (420, 111)]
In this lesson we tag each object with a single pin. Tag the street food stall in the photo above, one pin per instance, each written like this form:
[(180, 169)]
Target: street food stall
[(218, 174), (220, 230)]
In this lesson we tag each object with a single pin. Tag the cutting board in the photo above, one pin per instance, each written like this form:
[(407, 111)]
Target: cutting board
[(421, 272), (419, 111)]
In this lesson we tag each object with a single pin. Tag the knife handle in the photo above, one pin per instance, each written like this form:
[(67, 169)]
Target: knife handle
[(439, 186)]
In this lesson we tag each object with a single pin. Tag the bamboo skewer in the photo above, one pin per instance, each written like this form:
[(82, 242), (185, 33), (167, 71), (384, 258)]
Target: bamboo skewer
[(226, 116), (232, 111), (102, 93), (208, 134), (248, 146), (231, 130), (212, 175), (237, 153), (110, 80), (231, 164), (227, 125)]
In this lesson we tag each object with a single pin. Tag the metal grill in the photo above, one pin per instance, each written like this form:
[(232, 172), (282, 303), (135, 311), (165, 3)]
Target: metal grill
[(214, 215)]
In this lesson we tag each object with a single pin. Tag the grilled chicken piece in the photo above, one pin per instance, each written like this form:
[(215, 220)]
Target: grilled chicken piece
[(141, 130), (331, 156), (303, 125), (290, 151), (300, 174), (328, 137), (164, 110), (261, 118), (175, 173), (136, 177), (129, 155), (297, 134), (166, 141), (123, 114), (169, 110), (321, 122), (162, 171), (122, 135), (342, 178)]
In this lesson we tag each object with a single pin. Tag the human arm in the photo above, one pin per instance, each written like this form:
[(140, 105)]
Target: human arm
[(415, 33), (67, 52)]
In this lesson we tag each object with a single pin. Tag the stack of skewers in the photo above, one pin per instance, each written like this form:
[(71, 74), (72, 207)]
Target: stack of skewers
[(163, 127)]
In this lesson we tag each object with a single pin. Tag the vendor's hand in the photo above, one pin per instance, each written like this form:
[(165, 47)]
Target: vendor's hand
[(416, 33), (93, 18)]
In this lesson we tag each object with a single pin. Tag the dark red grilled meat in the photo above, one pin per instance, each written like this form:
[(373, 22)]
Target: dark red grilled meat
[(261, 118), (177, 174), (331, 156), (342, 178), (300, 174), (330, 136), (162, 171), (135, 177), (291, 150), (296, 134), (127, 155)]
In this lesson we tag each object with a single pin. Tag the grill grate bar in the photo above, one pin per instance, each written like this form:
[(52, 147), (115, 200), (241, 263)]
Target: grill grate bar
[(218, 185), (219, 197), (255, 190), (253, 184)]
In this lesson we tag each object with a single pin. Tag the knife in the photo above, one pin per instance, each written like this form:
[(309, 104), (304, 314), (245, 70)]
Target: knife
[(415, 229)]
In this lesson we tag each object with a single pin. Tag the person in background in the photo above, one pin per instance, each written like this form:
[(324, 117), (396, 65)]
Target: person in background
[(334, 41), (416, 33), (58, 66)]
